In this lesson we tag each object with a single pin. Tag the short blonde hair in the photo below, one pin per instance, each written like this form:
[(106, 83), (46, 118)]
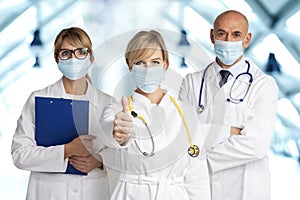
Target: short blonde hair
[(143, 45), (76, 37)]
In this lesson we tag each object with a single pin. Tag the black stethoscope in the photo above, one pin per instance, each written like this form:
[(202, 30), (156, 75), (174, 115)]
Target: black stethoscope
[(230, 98)]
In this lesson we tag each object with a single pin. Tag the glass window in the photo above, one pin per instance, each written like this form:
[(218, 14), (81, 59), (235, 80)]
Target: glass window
[(271, 43)]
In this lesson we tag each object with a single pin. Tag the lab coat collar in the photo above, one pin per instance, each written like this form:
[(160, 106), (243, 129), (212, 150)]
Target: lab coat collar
[(253, 68), (237, 69), (234, 70), (141, 98), (211, 80), (58, 90)]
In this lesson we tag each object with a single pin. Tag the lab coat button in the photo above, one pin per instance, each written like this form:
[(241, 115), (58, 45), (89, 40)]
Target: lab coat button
[(75, 190), (215, 178)]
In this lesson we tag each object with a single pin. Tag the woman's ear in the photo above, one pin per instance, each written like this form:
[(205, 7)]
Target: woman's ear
[(166, 64), (92, 58), (129, 67)]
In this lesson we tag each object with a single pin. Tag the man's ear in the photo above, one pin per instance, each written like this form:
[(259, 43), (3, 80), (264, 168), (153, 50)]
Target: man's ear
[(212, 37), (247, 40)]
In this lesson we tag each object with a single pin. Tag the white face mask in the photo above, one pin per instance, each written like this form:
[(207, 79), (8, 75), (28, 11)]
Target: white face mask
[(148, 79), (228, 52), (74, 68)]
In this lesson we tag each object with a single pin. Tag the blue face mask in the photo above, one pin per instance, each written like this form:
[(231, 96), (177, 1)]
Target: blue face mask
[(228, 52), (74, 68), (148, 79)]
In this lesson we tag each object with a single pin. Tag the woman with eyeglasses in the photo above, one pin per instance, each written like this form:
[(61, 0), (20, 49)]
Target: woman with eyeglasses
[(48, 180)]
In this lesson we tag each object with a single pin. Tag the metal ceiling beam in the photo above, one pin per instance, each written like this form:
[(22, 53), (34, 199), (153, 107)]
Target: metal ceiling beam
[(266, 22), (202, 11), (280, 29), (9, 16), (289, 39), (276, 24), (13, 67), (285, 12), (64, 8), (12, 46), (261, 11)]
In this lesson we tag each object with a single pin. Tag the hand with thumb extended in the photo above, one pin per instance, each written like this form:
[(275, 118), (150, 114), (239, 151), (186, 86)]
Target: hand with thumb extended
[(123, 123), (125, 105)]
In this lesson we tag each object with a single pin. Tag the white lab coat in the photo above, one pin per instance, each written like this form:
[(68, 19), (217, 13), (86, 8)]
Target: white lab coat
[(170, 173), (238, 164), (47, 165)]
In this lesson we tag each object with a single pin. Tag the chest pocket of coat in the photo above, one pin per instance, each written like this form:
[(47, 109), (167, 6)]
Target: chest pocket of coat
[(238, 114)]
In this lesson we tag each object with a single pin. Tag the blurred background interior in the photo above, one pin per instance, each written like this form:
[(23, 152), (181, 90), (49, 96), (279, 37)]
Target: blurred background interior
[(28, 29)]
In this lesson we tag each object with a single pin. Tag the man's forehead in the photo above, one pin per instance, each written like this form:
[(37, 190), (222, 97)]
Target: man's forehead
[(231, 21), (231, 28)]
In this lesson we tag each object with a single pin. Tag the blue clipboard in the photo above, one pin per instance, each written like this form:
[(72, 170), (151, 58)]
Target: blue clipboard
[(59, 121)]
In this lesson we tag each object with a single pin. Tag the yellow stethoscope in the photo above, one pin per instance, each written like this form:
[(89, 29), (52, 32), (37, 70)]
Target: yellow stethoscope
[(193, 150)]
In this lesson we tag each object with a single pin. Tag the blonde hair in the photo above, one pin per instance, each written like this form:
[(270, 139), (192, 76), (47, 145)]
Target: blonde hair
[(143, 45), (76, 37)]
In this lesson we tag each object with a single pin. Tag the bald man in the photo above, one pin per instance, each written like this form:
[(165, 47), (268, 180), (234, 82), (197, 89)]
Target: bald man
[(240, 102)]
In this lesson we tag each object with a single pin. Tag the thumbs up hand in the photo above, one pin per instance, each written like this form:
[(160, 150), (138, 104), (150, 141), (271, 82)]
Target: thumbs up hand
[(123, 123)]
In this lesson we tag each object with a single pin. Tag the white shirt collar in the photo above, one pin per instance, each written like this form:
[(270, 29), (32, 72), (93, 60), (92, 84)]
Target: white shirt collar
[(234, 70)]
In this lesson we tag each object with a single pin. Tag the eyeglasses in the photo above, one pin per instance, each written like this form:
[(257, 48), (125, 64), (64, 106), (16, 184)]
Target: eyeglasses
[(80, 53)]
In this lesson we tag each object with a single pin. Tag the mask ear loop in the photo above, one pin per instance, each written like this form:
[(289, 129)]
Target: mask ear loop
[(193, 150)]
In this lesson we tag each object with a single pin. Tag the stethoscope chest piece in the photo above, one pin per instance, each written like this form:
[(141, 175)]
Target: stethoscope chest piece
[(193, 151), (200, 109)]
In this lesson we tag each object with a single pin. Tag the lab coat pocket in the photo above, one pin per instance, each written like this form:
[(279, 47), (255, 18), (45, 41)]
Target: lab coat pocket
[(50, 190), (252, 191), (95, 189), (257, 173), (238, 114)]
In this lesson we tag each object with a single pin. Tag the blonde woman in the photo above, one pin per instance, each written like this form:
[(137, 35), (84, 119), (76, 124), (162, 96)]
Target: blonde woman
[(73, 54), (152, 135)]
